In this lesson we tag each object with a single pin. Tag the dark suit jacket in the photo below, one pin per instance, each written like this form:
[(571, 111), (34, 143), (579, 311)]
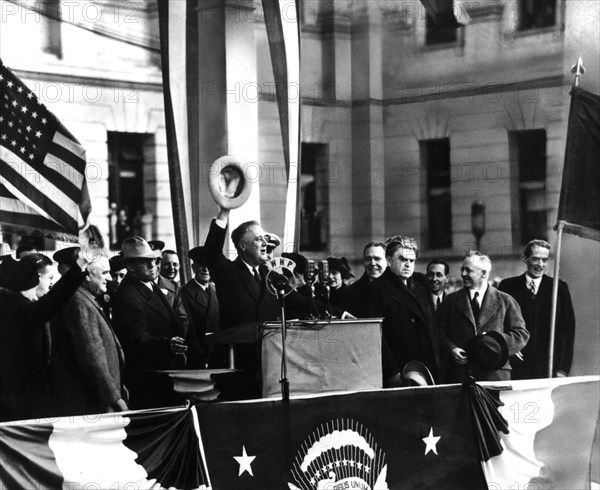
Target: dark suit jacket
[(87, 358), (537, 314), (171, 291), (24, 350), (456, 324), (241, 299), (408, 325), (355, 297), (145, 323), (202, 308)]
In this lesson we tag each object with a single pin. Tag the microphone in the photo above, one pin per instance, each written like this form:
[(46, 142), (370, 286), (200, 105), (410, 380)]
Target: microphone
[(324, 277), (311, 273)]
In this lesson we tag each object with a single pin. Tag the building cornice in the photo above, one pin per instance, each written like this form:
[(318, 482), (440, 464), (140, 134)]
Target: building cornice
[(434, 93), (129, 83)]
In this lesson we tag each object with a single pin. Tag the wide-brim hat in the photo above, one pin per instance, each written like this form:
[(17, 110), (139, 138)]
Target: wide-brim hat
[(156, 244), (227, 182), (198, 255), (138, 248), (66, 255), (415, 373), (341, 265), (488, 350), (18, 275)]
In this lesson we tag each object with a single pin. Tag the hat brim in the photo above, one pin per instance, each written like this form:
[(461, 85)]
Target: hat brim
[(152, 254), (224, 196), (415, 373), (498, 337)]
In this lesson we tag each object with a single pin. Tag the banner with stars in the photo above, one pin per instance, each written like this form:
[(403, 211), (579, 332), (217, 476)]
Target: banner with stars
[(410, 438), (42, 166)]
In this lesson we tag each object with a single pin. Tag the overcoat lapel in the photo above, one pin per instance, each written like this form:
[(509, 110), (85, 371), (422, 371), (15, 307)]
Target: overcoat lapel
[(464, 306), (401, 294), (92, 300), (489, 305), (152, 300)]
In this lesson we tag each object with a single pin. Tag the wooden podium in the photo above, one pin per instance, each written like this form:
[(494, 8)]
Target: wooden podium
[(323, 356)]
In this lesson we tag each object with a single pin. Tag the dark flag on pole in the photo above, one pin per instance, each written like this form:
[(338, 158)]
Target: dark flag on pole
[(42, 166), (579, 206)]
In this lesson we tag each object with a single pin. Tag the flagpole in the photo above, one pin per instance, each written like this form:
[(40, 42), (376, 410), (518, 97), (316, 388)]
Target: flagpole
[(175, 180), (561, 225)]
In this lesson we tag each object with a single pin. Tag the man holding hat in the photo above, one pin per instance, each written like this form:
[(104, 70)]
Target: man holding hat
[(200, 301), (149, 329), (479, 326)]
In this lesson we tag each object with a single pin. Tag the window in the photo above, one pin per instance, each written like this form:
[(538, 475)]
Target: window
[(528, 156), (434, 34), (314, 197), (435, 159), (126, 185), (536, 14)]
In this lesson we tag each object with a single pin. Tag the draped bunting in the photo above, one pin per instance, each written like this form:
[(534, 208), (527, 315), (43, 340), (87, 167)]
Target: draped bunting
[(423, 437)]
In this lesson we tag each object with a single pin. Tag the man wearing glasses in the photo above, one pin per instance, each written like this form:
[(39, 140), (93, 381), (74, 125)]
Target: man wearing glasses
[(149, 329)]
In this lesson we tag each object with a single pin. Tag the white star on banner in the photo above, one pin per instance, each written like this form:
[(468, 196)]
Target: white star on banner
[(245, 462), (431, 442)]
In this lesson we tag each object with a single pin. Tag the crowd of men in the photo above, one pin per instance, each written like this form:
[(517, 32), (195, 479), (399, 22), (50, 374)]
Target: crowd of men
[(96, 340)]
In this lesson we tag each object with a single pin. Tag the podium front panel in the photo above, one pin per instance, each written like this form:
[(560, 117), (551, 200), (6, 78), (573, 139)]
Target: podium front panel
[(336, 355)]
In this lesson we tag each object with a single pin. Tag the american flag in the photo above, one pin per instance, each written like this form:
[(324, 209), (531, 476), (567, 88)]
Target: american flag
[(42, 166)]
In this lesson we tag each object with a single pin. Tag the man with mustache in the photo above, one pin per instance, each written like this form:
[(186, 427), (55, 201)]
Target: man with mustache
[(533, 292)]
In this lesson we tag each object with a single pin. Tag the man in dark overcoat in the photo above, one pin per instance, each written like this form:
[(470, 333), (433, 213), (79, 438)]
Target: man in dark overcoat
[(147, 326), (533, 291)]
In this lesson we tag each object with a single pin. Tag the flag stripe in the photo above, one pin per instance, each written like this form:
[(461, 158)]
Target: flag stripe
[(29, 177), (69, 151), (62, 175), (33, 220), (18, 215), (37, 195)]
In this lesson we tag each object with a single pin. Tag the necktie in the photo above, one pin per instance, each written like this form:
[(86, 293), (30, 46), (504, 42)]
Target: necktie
[(438, 302), (475, 305), (532, 288), (256, 275)]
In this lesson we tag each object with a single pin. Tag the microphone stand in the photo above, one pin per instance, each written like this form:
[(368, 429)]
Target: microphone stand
[(285, 383), (327, 314), (312, 308)]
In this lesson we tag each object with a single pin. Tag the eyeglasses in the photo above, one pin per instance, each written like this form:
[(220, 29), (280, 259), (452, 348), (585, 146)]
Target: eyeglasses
[(147, 262)]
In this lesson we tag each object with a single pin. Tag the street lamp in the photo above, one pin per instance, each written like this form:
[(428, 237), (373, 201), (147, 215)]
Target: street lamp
[(478, 221)]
